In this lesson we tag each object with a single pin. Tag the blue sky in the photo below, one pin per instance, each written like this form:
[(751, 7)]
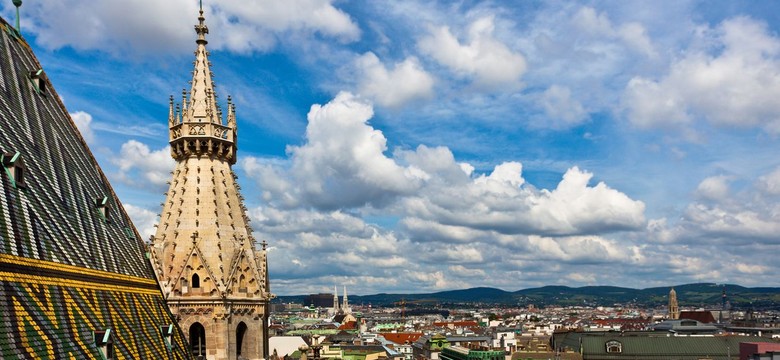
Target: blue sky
[(415, 146)]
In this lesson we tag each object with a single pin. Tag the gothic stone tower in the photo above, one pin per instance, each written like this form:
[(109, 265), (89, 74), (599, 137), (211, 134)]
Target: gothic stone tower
[(214, 280), (674, 310)]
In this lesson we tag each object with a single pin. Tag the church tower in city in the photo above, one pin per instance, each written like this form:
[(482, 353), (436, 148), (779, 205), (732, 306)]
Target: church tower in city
[(213, 278), (674, 310)]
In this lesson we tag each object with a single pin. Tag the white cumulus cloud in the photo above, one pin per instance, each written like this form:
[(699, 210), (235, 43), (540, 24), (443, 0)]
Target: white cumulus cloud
[(735, 222), (406, 81), (723, 215), (343, 162), (770, 183), (499, 203), (577, 249), (481, 56), (143, 219), (83, 122), (734, 82), (598, 24), (149, 26), (560, 108), (713, 188), (139, 166), (260, 22), (343, 165), (404, 214)]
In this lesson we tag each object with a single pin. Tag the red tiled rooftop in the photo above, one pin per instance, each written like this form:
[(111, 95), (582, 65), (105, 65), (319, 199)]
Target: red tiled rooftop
[(402, 338), (351, 325), (700, 316)]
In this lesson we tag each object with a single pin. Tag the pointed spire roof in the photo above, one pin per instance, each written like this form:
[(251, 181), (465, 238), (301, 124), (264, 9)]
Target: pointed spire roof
[(199, 129), (203, 98), (345, 305), (335, 298), (203, 205), (203, 251)]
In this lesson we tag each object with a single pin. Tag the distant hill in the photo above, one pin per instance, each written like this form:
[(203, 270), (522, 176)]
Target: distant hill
[(700, 294)]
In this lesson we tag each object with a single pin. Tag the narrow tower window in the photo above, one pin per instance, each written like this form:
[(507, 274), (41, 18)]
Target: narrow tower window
[(195, 281)]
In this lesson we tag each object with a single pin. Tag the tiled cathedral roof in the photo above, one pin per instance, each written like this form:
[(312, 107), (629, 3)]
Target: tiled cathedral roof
[(73, 269)]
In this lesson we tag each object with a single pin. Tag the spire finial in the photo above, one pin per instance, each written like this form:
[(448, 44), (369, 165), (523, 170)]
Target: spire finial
[(200, 108), (18, 3), (201, 29)]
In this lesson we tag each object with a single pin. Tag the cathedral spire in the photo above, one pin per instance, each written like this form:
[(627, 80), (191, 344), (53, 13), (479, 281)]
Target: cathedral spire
[(201, 130), (335, 299), (203, 250), (203, 98), (345, 302)]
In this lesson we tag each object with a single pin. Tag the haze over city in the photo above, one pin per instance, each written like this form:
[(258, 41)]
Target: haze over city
[(417, 146)]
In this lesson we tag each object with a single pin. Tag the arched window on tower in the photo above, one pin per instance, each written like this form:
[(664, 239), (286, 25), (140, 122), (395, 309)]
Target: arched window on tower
[(198, 340), (240, 335), (195, 281)]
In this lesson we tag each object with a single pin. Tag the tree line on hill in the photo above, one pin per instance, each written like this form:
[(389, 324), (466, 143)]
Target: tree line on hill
[(708, 295)]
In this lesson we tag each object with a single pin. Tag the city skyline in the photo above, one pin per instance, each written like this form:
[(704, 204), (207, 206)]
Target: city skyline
[(414, 146)]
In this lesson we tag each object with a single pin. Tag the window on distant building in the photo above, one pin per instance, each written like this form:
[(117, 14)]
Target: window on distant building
[(195, 281), (614, 347)]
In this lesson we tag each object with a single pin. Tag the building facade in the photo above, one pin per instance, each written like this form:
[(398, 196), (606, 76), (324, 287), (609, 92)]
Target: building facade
[(456, 352), (321, 300), (429, 348), (214, 279)]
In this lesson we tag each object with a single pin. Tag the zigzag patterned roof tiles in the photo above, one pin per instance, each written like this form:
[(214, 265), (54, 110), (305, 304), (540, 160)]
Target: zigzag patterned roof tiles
[(74, 276)]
